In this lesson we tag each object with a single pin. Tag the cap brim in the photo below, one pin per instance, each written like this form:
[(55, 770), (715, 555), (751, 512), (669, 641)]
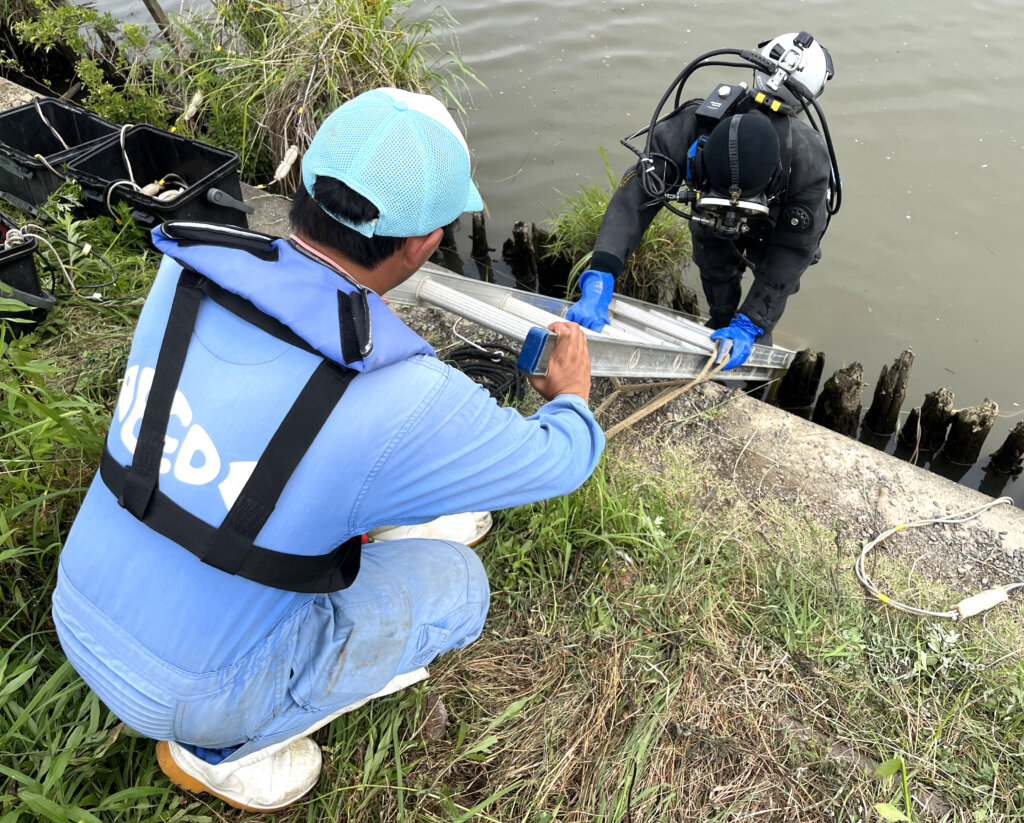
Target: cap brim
[(474, 202)]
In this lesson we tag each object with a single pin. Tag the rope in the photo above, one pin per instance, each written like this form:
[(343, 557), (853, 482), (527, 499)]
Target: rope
[(975, 604), (18, 237), (666, 396), (49, 125), (495, 368), (156, 189), (15, 237)]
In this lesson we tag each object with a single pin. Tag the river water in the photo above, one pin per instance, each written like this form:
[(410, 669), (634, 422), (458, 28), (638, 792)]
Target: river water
[(923, 115)]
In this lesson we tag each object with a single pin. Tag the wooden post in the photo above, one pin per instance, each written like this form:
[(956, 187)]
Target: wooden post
[(164, 24), (447, 253), (1008, 457), (448, 240), (480, 251), (967, 432), (519, 253), (890, 392), (799, 385), (926, 427), (838, 406)]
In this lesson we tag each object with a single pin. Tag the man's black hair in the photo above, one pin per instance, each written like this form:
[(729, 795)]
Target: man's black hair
[(311, 221)]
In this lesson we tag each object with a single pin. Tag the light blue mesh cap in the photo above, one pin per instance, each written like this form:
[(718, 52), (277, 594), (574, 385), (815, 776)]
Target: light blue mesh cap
[(401, 151)]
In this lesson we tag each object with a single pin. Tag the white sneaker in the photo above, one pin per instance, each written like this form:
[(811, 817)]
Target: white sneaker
[(469, 529), (268, 779), (264, 781)]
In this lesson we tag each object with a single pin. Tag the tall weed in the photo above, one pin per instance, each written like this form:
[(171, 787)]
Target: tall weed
[(654, 272)]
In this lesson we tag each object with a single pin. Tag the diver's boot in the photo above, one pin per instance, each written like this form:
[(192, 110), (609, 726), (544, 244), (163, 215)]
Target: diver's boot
[(468, 528), (264, 781)]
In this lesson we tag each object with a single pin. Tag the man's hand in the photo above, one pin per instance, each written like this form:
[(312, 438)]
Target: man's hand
[(742, 332), (591, 310), (568, 367)]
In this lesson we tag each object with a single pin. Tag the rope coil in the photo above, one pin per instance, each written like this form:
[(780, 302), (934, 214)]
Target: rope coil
[(969, 606)]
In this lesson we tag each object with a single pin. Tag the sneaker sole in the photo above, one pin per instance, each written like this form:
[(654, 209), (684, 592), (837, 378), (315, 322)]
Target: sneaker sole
[(181, 778)]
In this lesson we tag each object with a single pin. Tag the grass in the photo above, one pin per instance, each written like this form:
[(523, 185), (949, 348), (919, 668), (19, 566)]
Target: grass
[(659, 649), (254, 77), (267, 74), (653, 273)]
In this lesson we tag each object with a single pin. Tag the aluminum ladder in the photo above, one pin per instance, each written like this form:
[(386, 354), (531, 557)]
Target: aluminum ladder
[(642, 340)]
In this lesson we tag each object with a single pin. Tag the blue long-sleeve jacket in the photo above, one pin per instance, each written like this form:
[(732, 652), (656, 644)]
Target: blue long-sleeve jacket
[(407, 443)]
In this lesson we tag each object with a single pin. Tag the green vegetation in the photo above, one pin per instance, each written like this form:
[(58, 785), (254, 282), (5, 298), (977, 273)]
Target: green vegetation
[(659, 648), (653, 273), (252, 77)]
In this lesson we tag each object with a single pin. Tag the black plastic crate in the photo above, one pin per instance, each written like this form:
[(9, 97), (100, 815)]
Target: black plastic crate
[(24, 134), (19, 281), (146, 155)]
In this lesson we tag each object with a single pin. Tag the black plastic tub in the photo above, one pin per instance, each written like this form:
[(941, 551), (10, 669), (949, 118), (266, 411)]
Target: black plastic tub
[(207, 178), (19, 281), (24, 134)]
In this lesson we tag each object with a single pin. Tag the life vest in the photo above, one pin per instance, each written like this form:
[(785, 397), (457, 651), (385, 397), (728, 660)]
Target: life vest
[(288, 293)]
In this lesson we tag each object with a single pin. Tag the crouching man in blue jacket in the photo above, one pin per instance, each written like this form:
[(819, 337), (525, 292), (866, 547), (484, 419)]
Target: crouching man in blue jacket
[(214, 590)]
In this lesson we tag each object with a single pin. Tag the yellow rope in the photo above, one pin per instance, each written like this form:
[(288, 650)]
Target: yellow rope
[(666, 396)]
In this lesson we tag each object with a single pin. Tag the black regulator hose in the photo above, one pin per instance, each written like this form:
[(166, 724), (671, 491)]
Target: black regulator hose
[(657, 186)]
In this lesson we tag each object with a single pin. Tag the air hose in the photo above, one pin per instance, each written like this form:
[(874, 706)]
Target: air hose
[(494, 368)]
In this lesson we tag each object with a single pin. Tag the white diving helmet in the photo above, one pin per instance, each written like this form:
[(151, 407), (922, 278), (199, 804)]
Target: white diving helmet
[(800, 56)]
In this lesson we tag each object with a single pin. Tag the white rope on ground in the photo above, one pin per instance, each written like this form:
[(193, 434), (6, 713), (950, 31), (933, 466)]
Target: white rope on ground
[(968, 607)]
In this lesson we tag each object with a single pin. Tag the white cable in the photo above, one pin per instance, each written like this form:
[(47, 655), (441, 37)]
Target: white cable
[(16, 237), (49, 125), (124, 155), (968, 607)]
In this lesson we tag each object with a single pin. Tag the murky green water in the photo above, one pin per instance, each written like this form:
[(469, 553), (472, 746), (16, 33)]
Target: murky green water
[(923, 114)]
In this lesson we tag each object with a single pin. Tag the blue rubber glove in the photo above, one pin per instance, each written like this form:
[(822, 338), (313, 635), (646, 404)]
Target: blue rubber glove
[(591, 310), (742, 333)]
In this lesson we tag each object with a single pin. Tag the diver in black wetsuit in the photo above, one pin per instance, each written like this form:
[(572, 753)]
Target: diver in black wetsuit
[(761, 185)]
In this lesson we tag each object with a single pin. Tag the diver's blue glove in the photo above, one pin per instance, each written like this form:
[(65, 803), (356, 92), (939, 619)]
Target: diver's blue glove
[(742, 333), (591, 310)]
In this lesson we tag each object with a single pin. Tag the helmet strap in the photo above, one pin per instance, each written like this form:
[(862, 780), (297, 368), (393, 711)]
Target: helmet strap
[(734, 157)]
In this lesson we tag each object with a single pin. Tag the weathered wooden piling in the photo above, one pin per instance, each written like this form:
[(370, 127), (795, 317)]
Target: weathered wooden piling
[(838, 407), (890, 392), (447, 253), (521, 256), (448, 237), (799, 385), (968, 430), (926, 426), (1008, 457), (480, 250)]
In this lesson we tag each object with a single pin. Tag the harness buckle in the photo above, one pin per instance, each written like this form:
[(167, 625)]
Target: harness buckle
[(136, 492)]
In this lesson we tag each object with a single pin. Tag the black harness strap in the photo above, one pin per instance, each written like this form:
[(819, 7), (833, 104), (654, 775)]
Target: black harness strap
[(231, 546), (784, 130), (141, 479), (240, 307)]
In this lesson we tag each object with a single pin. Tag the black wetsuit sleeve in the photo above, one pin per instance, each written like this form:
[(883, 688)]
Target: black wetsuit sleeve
[(794, 241), (631, 210)]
